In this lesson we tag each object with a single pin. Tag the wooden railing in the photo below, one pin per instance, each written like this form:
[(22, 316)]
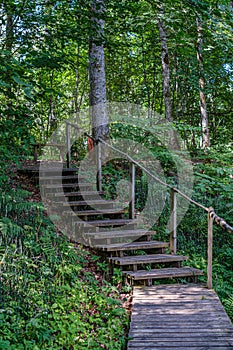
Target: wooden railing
[(211, 215)]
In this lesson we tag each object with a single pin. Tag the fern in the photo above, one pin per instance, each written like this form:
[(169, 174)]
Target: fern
[(9, 230), (229, 306)]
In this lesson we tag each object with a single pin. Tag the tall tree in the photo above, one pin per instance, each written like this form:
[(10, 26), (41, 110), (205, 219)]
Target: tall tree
[(9, 41), (164, 57), (98, 96), (165, 63), (203, 107)]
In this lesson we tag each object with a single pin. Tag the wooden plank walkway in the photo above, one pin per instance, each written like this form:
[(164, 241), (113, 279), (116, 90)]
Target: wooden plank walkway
[(178, 317)]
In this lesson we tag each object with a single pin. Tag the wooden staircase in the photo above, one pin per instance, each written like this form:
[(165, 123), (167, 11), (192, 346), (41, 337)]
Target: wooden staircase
[(104, 225)]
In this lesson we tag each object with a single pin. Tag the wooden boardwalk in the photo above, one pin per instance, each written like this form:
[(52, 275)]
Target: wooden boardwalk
[(178, 317)]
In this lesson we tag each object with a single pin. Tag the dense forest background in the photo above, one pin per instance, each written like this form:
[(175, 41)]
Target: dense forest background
[(172, 57), (45, 63)]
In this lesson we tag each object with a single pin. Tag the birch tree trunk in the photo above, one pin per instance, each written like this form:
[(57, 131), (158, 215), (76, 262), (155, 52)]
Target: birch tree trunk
[(203, 107), (98, 99)]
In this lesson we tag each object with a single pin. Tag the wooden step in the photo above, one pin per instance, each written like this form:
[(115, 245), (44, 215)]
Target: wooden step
[(91, 202), (88, 203), (50, 171), (147, 259), (120, 234), (68, 186), (58, 170), (78, 194), (113, 222), (172, 272), (89, 212), (98, 212), (132, 246), (80, 197), (60, 177)]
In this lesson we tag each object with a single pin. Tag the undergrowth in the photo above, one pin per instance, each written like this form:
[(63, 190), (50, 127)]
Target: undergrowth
[(50, 297)]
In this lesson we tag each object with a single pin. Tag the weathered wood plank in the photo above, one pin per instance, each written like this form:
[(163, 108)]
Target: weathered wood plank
[(174, 317), (175, 347), (134, 246), (173, 288), (149, 258), (163, 273), (96, 212), (60, 177), (69, 185), (183, 328), (84, 193), (114, 222), (177, 332), (186, 347), (119, 233), (186, 342)]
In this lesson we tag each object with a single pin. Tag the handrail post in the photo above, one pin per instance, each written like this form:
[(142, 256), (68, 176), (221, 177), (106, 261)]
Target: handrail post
[(99, 165), (68, 155), (132, 194), (210, 251), (173, 221)]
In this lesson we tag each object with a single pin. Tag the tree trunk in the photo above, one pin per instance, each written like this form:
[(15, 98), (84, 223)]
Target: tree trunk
[(9, 46), (76, 90), (51, 116), (203, 107), (165, 66), (98, 99), (145, 80)]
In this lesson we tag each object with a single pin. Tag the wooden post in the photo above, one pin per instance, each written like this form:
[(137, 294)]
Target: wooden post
[(210, 251), (132, 194), (68, 155), (173, 222), (36, 146), (99, 165)]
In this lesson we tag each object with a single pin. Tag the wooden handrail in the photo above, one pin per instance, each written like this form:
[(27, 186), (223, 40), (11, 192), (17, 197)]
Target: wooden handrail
[(212, 216), (217, 219)]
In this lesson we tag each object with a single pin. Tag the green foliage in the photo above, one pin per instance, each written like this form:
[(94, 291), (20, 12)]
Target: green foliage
[(49, 298), (229, 306), (44, 80), (44, 61)]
